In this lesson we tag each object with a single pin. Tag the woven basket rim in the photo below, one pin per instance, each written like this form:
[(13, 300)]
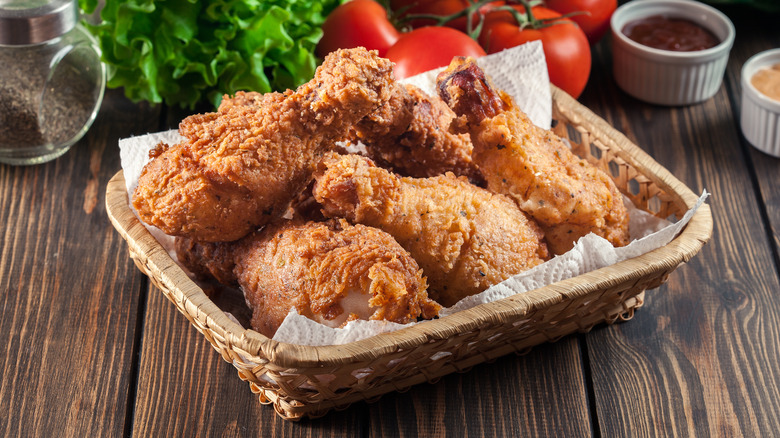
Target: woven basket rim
[(257, 347)]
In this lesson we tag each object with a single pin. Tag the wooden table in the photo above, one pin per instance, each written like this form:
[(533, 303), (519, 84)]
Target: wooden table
[(89, 348)]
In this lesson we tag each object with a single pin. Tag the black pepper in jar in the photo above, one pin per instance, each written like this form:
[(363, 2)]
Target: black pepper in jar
[(18, 120), (53, 82)]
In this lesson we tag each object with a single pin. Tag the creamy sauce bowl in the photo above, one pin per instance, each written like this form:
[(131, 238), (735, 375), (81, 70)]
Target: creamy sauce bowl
[(760, 114), (667, 77)]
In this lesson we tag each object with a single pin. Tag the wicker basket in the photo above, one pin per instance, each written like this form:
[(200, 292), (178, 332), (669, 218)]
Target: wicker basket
[(309, 381)]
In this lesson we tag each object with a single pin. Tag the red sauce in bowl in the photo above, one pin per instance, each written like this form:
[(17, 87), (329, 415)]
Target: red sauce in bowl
[(667, 33)]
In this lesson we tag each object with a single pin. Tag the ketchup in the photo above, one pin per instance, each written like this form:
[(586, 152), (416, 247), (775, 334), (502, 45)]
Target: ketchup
[(667, 33)]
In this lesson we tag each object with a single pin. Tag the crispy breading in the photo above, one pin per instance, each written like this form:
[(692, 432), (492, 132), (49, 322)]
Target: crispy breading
[(198, 125), (566, 195), (251, 98), (239, 169), (465, 238), (330, 272), (208, 260), (410, 135)]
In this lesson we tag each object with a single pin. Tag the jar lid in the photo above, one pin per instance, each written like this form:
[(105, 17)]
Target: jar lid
[(25, 22)]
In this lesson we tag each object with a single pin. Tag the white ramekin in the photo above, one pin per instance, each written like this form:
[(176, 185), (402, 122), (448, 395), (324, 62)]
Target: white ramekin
[(666, 77), (760, 116)]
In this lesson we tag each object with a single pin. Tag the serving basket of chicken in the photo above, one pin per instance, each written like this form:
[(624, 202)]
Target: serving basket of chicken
[(449, 195)]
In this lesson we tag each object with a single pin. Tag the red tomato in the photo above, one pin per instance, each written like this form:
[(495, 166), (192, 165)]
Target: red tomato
[(595, 19), (357, 23), (565, 46), (427, 48)]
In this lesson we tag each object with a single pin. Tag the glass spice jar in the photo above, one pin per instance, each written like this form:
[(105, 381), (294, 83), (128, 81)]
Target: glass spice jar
[(51, 79)]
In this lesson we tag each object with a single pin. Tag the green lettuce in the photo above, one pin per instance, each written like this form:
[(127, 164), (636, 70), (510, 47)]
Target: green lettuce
[(184, 52)]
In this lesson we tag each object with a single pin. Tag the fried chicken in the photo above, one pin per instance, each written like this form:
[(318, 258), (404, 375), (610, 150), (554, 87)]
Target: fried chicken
[(464, 237), (239, 169), (410, 135), (330, 272), (251, 98), (566, 195)]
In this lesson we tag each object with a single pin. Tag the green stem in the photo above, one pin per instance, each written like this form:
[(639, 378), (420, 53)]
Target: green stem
[(524, 19), (528, 20), (468, 12)]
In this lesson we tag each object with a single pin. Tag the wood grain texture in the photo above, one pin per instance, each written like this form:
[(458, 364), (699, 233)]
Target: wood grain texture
[(69, 291), (701, 358), (539, 394)]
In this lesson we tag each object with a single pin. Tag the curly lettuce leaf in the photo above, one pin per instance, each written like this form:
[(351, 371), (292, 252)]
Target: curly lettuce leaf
[(183, 52)]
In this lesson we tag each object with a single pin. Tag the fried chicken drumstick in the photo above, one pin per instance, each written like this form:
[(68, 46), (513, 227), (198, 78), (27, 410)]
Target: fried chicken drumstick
[(330, 272), (566, 195), (464, 237), (239, 168), (410, 135)]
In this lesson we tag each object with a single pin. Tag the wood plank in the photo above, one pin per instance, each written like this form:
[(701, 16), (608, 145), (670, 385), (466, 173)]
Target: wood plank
[(539, 394), (69, 289), (701, 358)]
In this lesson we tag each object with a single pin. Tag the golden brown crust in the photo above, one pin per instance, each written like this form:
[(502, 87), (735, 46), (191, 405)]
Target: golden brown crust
[(208, 260), (464, 237), (176, 195), (330, 272), (251, 98), (567, 195), (239, 169), (410, 135)]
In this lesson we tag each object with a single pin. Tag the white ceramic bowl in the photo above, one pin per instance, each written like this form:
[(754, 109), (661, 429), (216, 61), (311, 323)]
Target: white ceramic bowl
[(760, 116), (666, 77)]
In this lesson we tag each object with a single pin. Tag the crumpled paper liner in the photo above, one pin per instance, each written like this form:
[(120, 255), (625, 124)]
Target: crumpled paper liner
[(521, 72)]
